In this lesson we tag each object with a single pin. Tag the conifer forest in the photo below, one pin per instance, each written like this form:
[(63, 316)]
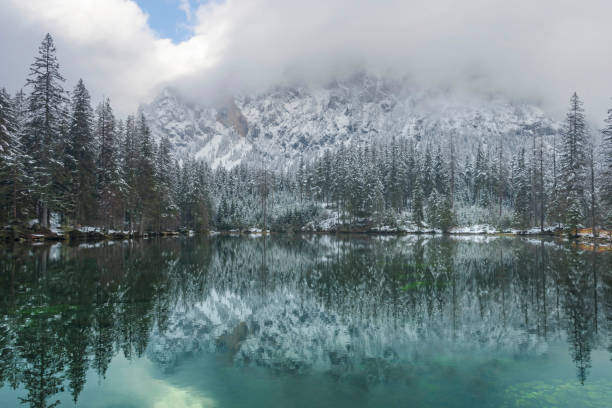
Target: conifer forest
[(63, 160)]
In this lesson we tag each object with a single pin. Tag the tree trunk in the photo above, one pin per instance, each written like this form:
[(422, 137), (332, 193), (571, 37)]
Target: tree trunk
[(43, 215)]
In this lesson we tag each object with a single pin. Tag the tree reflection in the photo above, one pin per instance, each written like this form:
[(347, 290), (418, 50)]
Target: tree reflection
[(63, 313), (68, 310), (579, 311)]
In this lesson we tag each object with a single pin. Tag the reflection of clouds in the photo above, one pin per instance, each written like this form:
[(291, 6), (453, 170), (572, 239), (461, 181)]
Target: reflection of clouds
[(143, 389), (178, 398)]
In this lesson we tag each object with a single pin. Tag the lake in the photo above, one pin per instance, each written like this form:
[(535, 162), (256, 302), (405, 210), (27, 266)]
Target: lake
[(306, 321)]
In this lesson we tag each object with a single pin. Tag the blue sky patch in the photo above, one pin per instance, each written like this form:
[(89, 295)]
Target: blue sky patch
[(167, 19)]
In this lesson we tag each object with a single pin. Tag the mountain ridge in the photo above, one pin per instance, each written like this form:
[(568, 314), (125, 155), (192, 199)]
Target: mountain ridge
[(280, 125)]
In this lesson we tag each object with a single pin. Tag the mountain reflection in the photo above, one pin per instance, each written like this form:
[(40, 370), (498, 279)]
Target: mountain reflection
[(356, 308)]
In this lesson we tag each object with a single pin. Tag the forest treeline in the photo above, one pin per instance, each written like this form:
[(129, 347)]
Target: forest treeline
[(61, 157), (63, 161)]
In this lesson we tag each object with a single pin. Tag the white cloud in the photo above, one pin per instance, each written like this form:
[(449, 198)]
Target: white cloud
[(109, 44), (540, 50)]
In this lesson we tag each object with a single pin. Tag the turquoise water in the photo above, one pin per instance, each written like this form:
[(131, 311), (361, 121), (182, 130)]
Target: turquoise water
[(306, 321)]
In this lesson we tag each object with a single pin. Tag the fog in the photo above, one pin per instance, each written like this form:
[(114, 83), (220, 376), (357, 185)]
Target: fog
[(536, 51)]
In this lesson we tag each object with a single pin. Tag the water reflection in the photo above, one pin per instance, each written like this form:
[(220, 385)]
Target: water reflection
[(361, 310)]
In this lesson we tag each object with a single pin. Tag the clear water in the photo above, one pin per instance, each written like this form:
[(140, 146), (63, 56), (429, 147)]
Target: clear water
[(312, 321)]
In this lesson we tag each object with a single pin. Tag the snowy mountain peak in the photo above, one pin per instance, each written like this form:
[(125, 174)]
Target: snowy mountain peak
[(284, 123)]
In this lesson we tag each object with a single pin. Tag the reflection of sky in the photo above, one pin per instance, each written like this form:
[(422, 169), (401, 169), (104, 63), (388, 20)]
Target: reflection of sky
[(139, 384), (502, 378), (168, 19), (135, 384)]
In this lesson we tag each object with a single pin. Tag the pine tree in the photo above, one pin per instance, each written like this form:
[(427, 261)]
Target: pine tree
[(395, 178), (61, 163), (522, 197), (499, 171), (426, 172), (83, 151), (20, 109), (12, 162), (440, 173), (453, 166), (574, 212), (574, 155), (432, 209), (606, 187), (446, 215), (167, 209), (144, 181), (43, 126), (480, 177), (200, 198), (108, 177), (593, 210), (128, 171), (555, 204), (417, 203)]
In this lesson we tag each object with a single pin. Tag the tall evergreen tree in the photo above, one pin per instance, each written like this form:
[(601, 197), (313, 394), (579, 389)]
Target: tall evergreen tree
[(61, 166), (12, 161), (606, 187), (84, 153), (522, 193), (107, 169), (144, 180), (555, 204), (129, 157), (480, 177), (440, 173), (574, 154), (427, 182), (417, 203), (166, 211), (43, 126)]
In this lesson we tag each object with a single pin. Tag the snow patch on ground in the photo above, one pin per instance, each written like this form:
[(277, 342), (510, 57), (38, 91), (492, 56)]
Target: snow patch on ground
[(475, 229)]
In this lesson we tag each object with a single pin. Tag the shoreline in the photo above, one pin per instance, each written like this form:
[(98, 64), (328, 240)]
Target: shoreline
[(89, 235), (95, 235)]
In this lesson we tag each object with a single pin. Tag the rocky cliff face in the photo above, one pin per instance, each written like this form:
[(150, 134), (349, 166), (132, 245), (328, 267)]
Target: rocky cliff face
[(284, 123)]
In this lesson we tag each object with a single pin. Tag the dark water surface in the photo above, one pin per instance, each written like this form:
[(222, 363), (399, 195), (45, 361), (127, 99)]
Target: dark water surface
[(315, 321)]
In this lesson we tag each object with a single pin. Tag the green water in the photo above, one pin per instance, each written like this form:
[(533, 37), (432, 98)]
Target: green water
[(306, 321)]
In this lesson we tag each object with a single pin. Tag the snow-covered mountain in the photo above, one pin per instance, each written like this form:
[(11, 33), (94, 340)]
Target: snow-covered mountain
[(286, 122)]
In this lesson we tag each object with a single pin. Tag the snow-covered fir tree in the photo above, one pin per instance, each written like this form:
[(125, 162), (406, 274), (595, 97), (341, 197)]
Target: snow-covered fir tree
[(43, 128), (83, 150), (12, 162), (574, 157), (606, 187)]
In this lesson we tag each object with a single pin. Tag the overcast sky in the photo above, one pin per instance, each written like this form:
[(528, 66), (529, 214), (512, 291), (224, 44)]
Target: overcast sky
[(128, 50)]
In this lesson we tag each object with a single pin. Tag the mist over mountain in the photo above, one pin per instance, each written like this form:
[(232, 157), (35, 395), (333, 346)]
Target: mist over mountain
[(284, 123)]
